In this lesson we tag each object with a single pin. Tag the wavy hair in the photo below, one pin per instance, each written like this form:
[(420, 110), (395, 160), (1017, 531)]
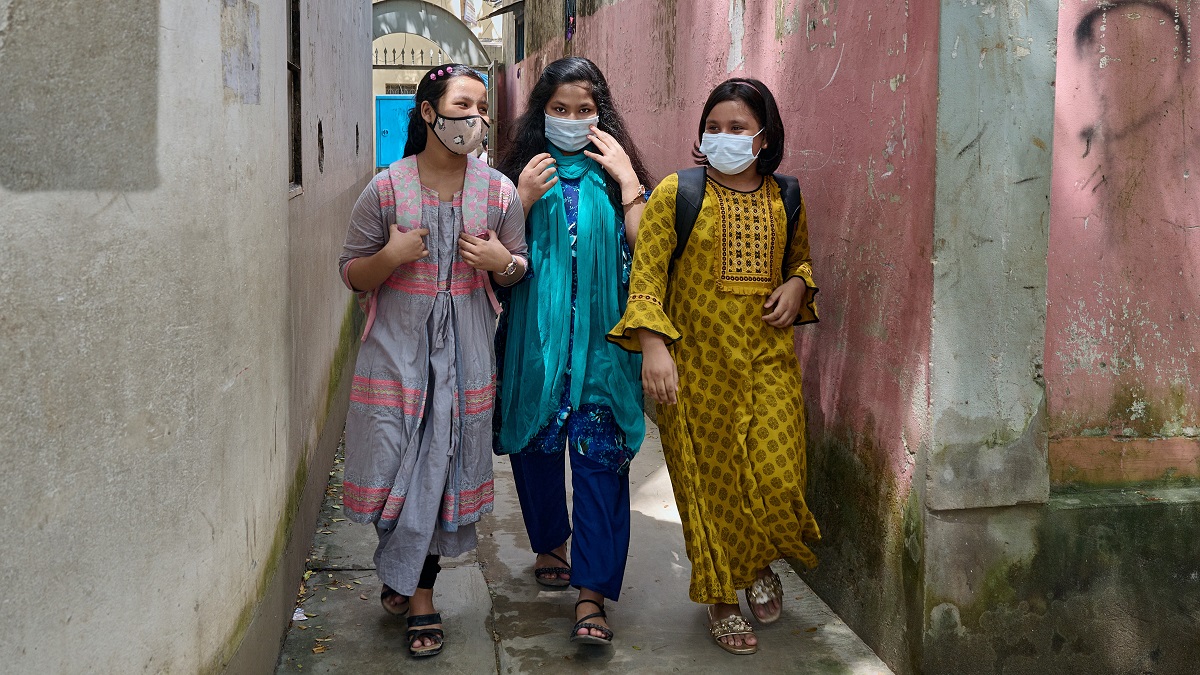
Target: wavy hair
[(761, 102), (528, 137), (432, 90)]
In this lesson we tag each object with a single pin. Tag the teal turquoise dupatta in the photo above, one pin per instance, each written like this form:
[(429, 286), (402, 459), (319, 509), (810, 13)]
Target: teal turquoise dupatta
[(536, 350)]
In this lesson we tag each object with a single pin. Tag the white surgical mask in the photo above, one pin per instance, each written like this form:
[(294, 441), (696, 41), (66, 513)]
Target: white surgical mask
[(730, 154), (460, 135), (569, 135)]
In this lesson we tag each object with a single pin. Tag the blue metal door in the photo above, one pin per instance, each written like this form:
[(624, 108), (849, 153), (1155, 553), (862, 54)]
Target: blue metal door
[(391, 126)]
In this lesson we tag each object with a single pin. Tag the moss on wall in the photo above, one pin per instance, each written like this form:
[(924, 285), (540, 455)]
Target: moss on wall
[(1113, 585), (870, 571), (283, 533), (353, 321), (343, 358)]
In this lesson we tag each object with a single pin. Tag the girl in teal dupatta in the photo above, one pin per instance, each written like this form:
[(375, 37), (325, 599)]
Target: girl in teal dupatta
[(563, 389)]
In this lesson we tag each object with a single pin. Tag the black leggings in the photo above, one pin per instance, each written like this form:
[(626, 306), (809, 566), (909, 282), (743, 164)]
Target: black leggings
[(429, 571)]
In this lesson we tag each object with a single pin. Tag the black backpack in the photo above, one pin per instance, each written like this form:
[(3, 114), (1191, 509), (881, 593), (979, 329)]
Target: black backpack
[(690, 196)]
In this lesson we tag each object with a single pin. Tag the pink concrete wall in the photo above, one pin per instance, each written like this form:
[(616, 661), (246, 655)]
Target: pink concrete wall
[(857, 92), (1124, 314)]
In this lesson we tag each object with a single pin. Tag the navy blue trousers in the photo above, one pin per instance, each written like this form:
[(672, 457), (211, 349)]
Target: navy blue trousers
[(600, 506)]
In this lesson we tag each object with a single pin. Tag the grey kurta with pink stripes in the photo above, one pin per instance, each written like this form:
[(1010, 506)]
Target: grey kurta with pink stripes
[(418, 434)]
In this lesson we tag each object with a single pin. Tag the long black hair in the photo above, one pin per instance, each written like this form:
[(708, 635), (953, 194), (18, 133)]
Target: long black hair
[(529, 132), (432, 88), (761, 102)]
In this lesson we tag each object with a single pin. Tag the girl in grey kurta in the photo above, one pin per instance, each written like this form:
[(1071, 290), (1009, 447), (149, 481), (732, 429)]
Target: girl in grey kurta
[(422, 239)]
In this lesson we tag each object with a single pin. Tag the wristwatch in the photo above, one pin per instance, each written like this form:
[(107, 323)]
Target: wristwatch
[(512, 267)]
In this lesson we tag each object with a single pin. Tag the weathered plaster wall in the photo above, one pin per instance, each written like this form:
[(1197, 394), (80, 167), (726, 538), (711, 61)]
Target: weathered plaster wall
[(856, 89), (995, 125), (171, 325), (1019, 579), (1124, 315)]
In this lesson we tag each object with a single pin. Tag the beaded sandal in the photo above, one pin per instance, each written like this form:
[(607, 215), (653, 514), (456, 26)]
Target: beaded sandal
[(728, 627), (590, 639), (551, 576), (762, 591)]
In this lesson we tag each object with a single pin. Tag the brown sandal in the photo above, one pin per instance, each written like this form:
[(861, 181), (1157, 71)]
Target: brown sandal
[(387, 594)]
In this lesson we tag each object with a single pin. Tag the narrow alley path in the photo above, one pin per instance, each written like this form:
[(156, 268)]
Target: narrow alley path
[(499, 621)]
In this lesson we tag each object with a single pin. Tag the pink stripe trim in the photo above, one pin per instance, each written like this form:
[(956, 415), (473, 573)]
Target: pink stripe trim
[(363, 499), (470, 501), (386, 393), (391, 511)]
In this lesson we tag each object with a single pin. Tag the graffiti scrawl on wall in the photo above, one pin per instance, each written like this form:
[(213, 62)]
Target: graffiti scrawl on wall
[(1124, 295)]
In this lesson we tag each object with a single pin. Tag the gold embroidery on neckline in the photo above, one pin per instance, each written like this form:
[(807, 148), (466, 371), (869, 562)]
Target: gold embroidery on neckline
[(749, 238)]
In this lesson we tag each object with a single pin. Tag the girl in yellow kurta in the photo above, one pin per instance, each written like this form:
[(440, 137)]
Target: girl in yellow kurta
[(715, 330)]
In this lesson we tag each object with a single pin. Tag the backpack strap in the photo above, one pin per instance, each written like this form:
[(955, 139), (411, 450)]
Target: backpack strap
[(789, 190), (689, 197)]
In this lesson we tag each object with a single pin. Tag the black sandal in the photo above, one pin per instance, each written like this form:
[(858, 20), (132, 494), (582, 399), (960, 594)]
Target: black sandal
[(590, 639), (387, 594), (415, 632), (549, 576)]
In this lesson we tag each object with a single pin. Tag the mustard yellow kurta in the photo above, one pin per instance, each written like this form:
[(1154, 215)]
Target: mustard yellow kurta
[(734, 443)]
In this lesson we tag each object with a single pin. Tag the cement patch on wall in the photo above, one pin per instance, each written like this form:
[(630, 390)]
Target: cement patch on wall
[(996, 80), (240, 60), (80, 103)]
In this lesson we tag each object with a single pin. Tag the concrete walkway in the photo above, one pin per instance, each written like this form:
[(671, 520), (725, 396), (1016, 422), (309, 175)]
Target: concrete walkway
[(498, 620)]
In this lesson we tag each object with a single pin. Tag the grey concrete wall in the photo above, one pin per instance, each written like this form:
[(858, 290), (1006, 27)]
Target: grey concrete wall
[(171, 322), (995, 124)]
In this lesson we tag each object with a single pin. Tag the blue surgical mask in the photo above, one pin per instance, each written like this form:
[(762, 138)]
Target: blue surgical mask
[(730, 154), (569, 135)]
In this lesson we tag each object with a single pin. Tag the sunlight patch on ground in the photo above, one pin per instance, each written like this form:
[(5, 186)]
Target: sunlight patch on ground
[(651, 496)]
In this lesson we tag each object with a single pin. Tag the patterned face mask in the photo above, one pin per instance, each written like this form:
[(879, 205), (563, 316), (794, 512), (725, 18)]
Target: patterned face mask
[(460, 135)]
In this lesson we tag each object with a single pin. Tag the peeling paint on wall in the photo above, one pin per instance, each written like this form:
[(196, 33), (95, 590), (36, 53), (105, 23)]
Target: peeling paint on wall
[(737, 33), (240, 61), (1124, 315)]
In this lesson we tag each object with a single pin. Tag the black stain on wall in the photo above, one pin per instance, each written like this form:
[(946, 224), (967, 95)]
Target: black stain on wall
[(79, 106), (320, 147)]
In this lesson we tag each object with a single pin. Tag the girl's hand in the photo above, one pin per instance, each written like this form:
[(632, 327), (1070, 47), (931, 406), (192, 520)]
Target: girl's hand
[(536, 179), (487, 254), (612, 157), (660, 377), (405, 247), (784, 303)]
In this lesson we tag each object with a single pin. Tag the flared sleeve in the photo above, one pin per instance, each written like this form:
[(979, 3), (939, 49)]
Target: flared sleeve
[(651, 269), (799, 264)]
